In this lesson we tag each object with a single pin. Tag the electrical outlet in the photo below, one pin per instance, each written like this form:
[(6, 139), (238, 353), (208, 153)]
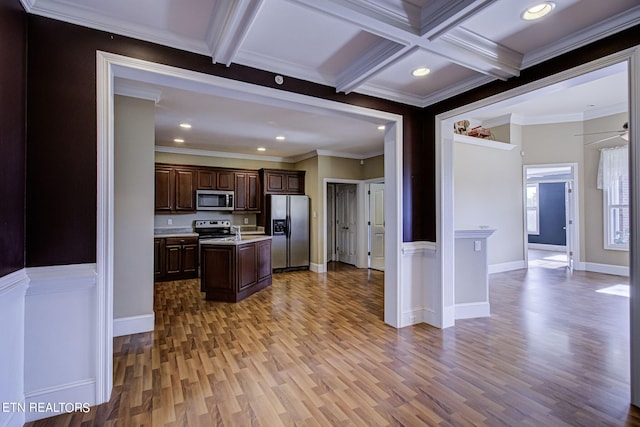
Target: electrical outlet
[(170, 221), (246, 221), (477, 245)]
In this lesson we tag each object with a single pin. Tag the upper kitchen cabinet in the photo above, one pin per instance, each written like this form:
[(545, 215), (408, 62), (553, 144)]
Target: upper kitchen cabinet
[(277, 181), (247, 191), (175, 188), (215, 179)]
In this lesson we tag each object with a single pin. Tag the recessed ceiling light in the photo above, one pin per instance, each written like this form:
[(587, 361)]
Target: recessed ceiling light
[(538, 10), (381, 127), (178, 140), (280, 138), (262, 149), (419, 72), (185, 125)]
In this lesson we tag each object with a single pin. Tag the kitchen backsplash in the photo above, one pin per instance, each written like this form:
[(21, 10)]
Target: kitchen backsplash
[(186, 220)]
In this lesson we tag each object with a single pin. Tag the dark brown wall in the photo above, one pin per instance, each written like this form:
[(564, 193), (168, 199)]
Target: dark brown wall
[(61, 162), (12, 135)]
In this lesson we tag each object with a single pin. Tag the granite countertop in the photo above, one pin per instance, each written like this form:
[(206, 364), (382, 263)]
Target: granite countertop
[(174, 232), (230, 241)]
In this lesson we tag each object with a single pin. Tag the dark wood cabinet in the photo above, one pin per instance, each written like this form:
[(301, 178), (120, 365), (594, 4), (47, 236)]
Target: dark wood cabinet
[(174, 189), (247, 192), (158, 258), (225, 180), (278, 181), (215, 179), (164, 188), (206, 179), (175, 258), (185, 190), (233, 272)]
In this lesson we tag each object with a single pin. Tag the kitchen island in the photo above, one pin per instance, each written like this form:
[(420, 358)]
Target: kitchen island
[(233, 269)]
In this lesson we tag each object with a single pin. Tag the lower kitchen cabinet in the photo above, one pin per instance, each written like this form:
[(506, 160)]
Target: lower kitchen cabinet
[(175, 258), (232, 272)]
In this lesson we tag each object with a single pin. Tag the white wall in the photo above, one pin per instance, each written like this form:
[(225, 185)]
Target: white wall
[(560, 143), (60, 337), (488, 191), (12, 290), (593, 218), (134, 140)]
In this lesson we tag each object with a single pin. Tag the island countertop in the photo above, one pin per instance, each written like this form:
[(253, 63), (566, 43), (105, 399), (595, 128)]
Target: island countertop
[(231, 240)]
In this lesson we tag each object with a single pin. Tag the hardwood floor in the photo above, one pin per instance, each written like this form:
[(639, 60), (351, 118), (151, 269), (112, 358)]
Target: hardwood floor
[(313, 350)]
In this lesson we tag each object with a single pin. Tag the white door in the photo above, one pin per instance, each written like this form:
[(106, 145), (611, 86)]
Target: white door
[(570, 228), (346, 214), (331, 223), (376, 226)]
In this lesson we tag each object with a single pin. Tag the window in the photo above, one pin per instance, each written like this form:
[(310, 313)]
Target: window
[(533, 213), (613, 179)]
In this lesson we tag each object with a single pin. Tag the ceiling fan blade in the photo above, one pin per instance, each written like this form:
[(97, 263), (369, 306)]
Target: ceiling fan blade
[(599, 133), (623, 135)]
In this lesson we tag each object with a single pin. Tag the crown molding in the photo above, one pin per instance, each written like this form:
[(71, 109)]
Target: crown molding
[(603, 29), (371, 62), (527, 120), (84, 18), (480, 53), (127, 89), (223, 154), (290, 159), (277, 66), (596, 113), (228, 27), (437, 18)]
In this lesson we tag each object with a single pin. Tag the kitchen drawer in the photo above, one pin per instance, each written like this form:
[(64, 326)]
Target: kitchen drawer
[(181, 241)]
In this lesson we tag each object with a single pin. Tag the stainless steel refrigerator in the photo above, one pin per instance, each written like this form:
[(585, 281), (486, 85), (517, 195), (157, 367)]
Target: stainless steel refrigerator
[(288, 224)]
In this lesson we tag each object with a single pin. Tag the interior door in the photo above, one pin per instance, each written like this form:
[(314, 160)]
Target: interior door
[(331, 223), (376, 226), (346, 216), (569, 222)]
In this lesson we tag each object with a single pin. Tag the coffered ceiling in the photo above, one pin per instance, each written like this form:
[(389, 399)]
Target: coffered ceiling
[(368, 47)]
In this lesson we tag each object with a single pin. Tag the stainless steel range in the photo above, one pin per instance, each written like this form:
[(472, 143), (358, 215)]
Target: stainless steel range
[(212, 228)]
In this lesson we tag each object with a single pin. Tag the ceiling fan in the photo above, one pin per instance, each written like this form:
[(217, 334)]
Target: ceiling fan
[(621, 133)]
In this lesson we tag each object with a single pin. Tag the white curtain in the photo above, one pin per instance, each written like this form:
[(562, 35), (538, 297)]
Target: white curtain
[(614, 164)]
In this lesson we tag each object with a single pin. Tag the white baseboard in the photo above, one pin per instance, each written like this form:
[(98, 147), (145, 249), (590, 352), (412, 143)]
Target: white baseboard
[(472, 310), (78, 392), (506, 266), (133, 325), (616, 270), (448, 316), (317, 268), (545, 247), (412, 317)]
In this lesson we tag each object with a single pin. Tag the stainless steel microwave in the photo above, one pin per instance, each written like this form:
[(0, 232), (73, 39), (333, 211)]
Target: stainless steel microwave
[(212, 200)]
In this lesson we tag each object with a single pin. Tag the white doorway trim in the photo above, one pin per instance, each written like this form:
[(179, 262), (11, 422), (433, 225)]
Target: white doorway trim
[(361, 260), (574, 244), (108, 67), (444, 187)]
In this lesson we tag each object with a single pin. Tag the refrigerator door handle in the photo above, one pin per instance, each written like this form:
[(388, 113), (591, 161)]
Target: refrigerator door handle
[(288, 227)]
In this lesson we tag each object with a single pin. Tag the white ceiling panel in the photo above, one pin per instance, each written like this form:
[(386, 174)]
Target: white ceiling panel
[(443, 74), (501, 21), (368, 47)]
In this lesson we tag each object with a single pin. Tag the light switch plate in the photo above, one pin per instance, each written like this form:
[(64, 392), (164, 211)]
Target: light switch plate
[(477, 245)]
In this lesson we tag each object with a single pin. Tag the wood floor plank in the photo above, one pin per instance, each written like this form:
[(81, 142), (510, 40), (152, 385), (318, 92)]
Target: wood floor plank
[(313, 350)]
